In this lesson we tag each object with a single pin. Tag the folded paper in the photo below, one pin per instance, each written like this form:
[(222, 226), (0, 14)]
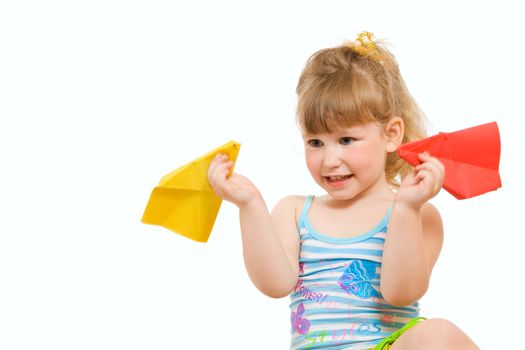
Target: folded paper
[(184, 202), (470, 156)]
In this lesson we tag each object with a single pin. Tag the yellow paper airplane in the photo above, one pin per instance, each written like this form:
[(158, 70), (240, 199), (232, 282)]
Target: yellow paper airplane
[(184, 202)]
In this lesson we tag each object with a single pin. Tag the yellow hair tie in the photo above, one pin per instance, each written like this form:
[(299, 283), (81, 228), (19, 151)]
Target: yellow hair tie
[(365, 45)]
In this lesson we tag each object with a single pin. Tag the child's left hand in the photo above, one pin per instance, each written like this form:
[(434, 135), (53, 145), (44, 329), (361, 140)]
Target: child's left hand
[(423, 183)]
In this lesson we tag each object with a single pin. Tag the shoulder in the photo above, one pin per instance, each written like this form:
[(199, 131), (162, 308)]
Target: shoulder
[(430, 217), (289, 206), (290, 202)]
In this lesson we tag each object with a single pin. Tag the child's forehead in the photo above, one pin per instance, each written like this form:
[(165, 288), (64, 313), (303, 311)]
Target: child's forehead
[(344, 130)]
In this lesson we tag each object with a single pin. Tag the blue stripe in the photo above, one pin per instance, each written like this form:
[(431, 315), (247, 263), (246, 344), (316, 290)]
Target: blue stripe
[(348, 251), (305, 237)]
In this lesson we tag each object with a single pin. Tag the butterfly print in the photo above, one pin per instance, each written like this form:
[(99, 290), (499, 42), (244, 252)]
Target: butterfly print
[(357, 279), (299, 324)]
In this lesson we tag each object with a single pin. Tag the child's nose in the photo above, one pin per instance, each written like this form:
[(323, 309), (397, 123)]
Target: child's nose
[(332, 158)]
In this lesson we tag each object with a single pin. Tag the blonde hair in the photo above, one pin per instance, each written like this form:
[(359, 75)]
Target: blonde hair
[(353, 84)]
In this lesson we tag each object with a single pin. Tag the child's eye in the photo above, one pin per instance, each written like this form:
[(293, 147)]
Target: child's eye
[(346, 140), (315, 143)]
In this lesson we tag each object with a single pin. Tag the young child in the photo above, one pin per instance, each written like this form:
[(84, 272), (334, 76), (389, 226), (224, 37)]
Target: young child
[(356, 260)]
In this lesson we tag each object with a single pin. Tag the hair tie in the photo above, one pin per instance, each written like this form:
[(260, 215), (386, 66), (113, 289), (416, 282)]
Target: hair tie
[(365, 45)]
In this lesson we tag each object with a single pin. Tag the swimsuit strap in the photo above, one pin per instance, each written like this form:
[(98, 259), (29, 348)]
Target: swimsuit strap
[(307, 204)]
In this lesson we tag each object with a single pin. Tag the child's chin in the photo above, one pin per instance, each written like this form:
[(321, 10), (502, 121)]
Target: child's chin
[(341, 196)]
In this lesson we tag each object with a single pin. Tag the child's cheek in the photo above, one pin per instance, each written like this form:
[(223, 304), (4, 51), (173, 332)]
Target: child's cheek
[(313, 161)]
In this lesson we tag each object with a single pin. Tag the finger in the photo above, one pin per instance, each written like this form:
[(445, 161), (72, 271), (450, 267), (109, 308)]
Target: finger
[(219, 157), (429, 180), (213, 164), (219, 170), (212, 169), (433, 165), (423, 175), (222, 156), (426, 158), (437, 163), (217, 161), (429, 166), (220, 173), (434, 174)]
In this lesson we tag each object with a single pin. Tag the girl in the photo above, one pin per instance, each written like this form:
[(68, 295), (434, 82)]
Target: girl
[(356, 260)]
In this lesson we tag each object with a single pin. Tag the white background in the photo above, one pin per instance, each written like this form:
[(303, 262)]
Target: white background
[(99, 99)]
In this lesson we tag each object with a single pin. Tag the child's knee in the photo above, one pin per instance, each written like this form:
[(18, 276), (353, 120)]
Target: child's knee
[(441, 325), (449, 335)]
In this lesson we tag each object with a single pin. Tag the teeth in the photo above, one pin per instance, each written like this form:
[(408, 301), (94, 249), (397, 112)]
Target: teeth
[(338, 178)]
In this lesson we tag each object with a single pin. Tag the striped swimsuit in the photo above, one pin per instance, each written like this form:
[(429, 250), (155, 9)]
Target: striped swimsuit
[(336, 303)]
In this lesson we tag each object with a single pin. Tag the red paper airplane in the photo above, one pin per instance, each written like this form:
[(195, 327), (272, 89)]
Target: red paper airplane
[(470, 156)]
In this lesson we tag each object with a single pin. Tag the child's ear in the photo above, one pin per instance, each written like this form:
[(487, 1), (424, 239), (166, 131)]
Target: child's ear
[(394, 131)]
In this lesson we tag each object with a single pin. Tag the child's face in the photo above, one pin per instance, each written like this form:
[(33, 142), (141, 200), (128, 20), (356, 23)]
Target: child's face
[(348, 162)]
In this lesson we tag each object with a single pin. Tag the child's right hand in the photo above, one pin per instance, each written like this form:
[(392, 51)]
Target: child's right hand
[(235, 188)]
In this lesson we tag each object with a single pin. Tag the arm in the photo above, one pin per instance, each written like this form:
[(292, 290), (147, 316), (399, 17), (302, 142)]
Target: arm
[(415, 235), (269, 247)]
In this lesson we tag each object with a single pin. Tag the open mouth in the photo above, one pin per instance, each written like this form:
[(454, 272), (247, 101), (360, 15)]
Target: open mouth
[(338, 178)]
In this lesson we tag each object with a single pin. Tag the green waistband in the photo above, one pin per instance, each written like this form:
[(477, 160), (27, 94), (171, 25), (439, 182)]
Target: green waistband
[(386, 342)]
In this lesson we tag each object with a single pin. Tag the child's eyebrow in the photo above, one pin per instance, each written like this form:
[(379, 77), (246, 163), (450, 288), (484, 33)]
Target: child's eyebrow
[(310, 136), (350, 130)]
